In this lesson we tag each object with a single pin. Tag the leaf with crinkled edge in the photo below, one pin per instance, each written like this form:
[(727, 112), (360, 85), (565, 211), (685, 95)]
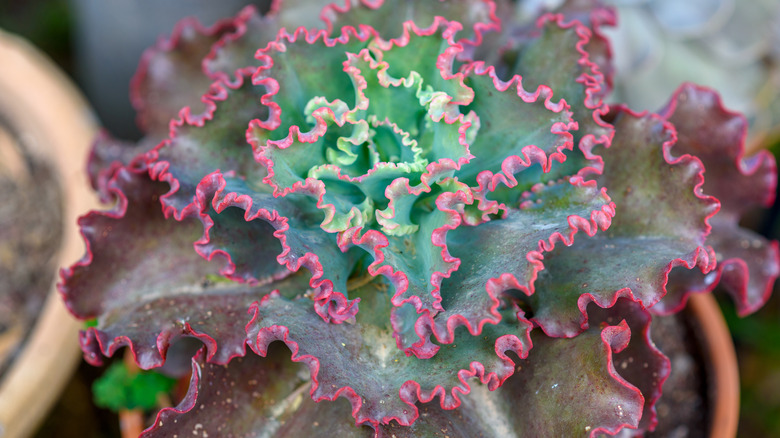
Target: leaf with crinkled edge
[(558, 58), (409, 202), (389, 155), (593, 14), (748, 264), (414, 50), (234, 53), (146, 286), (566, 387), (413, 106), (279, 406), (641, 363), (661, 222), (236, 50), (215, 140), (490, 262), (415, 263), (747, 268), (426, 109), (596, 16), (478, 416), (298, 67), (255, 257), (569, 387), (564, 58), (289, 225), (269, 387), (496, 193), (170, 75), (292, 160), (539, 65), (169, 78), (475, 17), (503, 254), (515, 126), (360, 362), (109, 154), (272, 401), (649, 204), (346, 203), (554, 58)]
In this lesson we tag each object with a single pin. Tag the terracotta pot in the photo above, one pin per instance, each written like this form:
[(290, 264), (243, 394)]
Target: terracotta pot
[(722, 371), (40, 103)]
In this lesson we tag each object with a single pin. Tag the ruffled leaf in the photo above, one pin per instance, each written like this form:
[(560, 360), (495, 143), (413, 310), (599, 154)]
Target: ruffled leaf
[(170, 75), (565, 373), (109, 154), (215, 140), (542, 63), (660, 223), (269, 387), (474, 17), (550, 58), (233, 55), (566, 387), (595, 15), (360, 362), (417, 261), (146, 286), (515, 244), (641, 363), (537, 133), (748, 264), (278, 235), (287, 70), (564, 55), (273, 402)]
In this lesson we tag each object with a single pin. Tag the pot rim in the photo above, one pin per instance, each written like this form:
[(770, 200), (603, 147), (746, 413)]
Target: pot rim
[(46, 104), (723, 373)]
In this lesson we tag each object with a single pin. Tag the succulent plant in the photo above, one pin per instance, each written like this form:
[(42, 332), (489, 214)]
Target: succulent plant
[(432, 209)]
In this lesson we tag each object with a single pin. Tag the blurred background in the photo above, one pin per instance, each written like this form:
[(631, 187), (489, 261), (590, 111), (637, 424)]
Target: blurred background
[(730, 45)]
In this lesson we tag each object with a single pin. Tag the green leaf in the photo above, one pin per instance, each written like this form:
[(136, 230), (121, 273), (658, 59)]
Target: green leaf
[(118, 388)]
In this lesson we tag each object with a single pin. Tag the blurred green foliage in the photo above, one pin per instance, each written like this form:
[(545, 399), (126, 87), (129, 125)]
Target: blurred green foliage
[(120, 388), (45, 23), (757, 341)]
